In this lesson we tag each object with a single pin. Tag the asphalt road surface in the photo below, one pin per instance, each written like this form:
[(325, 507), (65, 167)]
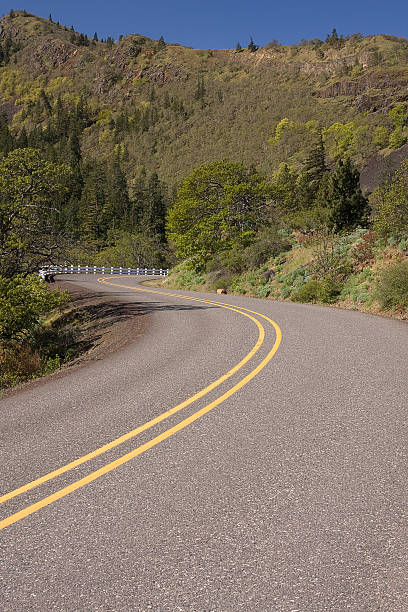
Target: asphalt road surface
[(226, 460)]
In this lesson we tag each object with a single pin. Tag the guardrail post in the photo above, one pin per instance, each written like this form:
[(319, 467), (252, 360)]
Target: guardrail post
[(86, 270), (128, 270), (79, 269), (137, 271), (103, 269), (161, 272), (120, 270), (111, 270), (94, 270)]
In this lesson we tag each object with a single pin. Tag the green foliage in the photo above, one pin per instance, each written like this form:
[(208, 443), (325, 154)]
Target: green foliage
[(390, 203), (325, 291), (29, 191), (392, 289), (399, 118), (220, 206), (347, 205), (184, 276), (132, 251), (267, 243), (23, 301)]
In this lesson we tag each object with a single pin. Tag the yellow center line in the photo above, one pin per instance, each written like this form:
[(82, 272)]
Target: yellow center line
[(138, 430), (161, 437)]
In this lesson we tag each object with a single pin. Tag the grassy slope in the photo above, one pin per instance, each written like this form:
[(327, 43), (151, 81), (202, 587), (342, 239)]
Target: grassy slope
[(295, 267)]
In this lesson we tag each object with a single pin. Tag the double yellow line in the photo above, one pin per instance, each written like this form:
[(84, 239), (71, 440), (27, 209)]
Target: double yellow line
[(109, 467)]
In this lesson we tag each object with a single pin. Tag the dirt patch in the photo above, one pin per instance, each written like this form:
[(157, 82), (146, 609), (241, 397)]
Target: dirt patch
[(101, 324), (105, 324)]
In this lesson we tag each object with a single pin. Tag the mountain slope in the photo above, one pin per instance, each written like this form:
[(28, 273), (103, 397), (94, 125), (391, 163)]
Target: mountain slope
[(170, 108)]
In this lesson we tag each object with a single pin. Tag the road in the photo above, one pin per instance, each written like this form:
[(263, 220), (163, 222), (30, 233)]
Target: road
[(242, 455)]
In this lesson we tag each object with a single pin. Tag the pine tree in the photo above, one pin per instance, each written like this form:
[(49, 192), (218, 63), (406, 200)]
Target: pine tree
[(7, 141), (50, 18), (238, 48), (116, 208), (95, 37), (160, 43), (92, 204), (75, 149), (252, 47), (154, 208), (46, 102), (315, 163), (22, 140), (347, 206)]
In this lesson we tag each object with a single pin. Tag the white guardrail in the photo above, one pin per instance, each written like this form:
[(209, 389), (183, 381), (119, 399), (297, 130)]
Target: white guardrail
[(49, 271)]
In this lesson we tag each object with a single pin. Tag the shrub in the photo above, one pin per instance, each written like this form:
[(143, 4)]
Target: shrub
[(23, 301), (269, 243), (325, 291), (392, 289)]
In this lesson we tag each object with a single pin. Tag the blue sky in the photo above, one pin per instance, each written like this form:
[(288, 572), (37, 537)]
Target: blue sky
[(221, 23)]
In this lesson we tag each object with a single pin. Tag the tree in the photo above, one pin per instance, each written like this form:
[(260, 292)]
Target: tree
[(252, 47), (116, 208), (30, 192), (160, 43), (23, 300), (238, 47), (95, 37), (132, 250), (315, 163), (390, 203), (220, 206), (50, 18), (154, 208), (348, 208)]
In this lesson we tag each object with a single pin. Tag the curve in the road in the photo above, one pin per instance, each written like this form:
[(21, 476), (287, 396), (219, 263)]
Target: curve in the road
[(164, 435)]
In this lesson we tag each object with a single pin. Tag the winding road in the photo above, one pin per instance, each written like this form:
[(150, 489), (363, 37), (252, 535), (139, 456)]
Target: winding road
[(242, 454)]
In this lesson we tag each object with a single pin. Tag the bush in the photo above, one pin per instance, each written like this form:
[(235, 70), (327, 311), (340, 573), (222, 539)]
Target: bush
[(268, 243), (23, 301), (392, 289), (325, 291)]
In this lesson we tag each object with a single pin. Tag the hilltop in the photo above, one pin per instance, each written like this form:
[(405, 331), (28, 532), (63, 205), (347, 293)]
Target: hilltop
[(168, 108)]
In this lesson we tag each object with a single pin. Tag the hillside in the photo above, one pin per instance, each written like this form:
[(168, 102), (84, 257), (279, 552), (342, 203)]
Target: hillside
[(169, 108)]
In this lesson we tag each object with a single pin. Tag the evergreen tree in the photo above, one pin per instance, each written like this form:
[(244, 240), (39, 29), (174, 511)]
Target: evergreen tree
[(50, 18), (75, 149), (46, 102), (160, 43), (7, 141), (92, 204), (116, 208), (347, 206), (238, 47), (95, 37), (22, 140), (252, 47), (154, 208), (315, 163)]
